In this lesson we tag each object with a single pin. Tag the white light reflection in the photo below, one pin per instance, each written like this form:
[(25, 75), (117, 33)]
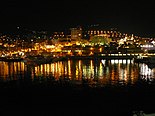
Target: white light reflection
[(103, 62), (116, 70), (122, 61), (145, 71), (114, 61)]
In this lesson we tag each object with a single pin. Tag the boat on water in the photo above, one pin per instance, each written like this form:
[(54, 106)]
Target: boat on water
[(37, 60)]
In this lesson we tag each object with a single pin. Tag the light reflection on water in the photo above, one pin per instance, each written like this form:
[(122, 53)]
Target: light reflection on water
[(94, 71), (11, 70), (146, 72)]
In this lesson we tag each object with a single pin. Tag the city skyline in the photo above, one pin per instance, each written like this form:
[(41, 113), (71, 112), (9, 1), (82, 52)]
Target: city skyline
[(129, 16)]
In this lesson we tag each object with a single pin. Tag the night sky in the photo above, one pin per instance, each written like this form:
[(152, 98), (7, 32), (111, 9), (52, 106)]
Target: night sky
[(136, 17)]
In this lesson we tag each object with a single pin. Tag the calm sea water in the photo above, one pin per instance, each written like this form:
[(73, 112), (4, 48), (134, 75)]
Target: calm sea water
[(101, 72)]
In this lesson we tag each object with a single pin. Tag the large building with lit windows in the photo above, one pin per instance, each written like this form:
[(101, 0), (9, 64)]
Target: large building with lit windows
[(58, 35), (113, 33), (76, 34), (109, 33)]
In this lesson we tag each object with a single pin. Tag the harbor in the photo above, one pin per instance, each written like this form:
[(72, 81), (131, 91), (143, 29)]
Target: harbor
[(91, 79), (75, 58)]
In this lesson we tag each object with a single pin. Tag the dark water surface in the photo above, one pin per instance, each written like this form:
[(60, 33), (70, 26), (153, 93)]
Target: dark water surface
[(77, 87)]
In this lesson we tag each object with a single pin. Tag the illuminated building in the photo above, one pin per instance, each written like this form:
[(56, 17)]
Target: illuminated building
[(76, 34)]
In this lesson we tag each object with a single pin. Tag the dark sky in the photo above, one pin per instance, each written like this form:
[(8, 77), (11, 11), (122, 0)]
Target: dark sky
[(136, 17)]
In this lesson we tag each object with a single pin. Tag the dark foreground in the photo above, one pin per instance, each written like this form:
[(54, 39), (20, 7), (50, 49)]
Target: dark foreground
[(63, 99)]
